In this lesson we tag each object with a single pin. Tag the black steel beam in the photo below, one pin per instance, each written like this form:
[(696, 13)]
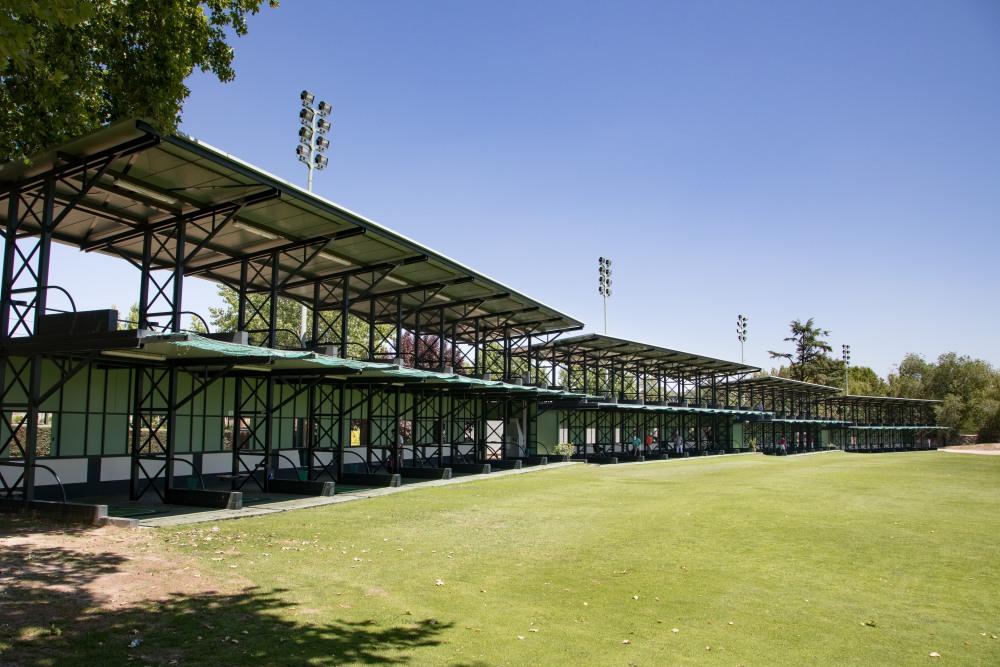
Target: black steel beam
[(287, 247)]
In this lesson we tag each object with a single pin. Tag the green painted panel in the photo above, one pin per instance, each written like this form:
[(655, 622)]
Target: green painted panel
[(736, 442), (69, 429), (548, 431)]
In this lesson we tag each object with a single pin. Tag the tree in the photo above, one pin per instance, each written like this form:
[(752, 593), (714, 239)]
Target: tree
[(864, 381), (131, 321), (70, 67), (910, 377), (990, 430), (430, 352), (224, 318), (968, 388), (810, 360)]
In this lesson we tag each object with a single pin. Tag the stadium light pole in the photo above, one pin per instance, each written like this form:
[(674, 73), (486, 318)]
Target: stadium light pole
[(604, 285), (845, 353), (313, 127), (741, 332)]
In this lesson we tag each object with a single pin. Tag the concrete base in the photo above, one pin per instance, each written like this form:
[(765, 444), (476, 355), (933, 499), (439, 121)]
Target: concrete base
[(506, 464), (631, 458), (370, 479), (604, 460), (538, 460), (74, 513), (223, 500), (427, 473), (119, 522), (301, 487), (474, 468)]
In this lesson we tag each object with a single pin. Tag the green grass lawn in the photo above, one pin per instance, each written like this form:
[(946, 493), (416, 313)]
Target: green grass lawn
[(752, 560)]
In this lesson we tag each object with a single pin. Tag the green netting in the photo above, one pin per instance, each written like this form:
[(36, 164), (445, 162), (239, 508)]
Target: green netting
[(193, 346)]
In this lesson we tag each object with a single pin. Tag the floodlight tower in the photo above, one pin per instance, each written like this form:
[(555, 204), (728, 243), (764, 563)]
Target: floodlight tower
[(845, 353), (741, 332), (312, 135), (604, 285), (313, 127)]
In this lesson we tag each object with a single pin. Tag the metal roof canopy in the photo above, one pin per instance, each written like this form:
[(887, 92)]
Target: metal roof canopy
[(787, 385), (234, 210), (889, 401), (600, 346), (194, 351)]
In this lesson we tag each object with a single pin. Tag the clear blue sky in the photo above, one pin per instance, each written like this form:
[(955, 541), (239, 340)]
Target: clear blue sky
[(786, 160)]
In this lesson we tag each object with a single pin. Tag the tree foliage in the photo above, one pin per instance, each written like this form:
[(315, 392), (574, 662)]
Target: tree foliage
[(70, 67), (968, 388), (863, 381), (809, 360), (224, 318), (429, 353), (990, 430)]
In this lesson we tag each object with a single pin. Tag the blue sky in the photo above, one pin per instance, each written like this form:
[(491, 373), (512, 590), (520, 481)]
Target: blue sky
[(784, 160)]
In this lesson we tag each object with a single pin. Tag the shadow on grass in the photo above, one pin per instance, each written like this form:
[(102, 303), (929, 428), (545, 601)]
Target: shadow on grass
[(48, 617)]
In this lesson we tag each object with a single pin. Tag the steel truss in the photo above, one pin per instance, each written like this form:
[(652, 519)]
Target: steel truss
[(24, 390), (467, 443)]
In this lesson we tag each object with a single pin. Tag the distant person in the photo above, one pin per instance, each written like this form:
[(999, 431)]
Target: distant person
[(678, 443)]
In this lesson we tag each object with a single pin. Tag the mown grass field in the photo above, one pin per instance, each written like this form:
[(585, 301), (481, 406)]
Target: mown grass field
[(828, 559)]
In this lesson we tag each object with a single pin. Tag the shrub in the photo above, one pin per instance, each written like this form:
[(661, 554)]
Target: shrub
[(564, 449)]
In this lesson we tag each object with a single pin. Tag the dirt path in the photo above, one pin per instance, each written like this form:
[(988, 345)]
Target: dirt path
[(987, 449), (58, 585)]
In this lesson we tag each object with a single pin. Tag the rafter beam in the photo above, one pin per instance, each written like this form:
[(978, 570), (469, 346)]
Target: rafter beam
[(267, 252)]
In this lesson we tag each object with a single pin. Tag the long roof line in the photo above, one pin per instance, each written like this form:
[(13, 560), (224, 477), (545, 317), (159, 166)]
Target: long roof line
[(194, 174)]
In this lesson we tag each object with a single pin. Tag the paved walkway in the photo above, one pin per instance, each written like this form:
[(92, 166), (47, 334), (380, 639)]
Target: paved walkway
[(980, 452)]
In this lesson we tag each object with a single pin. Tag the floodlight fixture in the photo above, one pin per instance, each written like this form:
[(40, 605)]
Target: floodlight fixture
[(845, 353), (741, 332), (314, 124), (604, 285)]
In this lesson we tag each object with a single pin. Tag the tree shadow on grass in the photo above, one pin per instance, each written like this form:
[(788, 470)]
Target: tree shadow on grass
[(48, 617)]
